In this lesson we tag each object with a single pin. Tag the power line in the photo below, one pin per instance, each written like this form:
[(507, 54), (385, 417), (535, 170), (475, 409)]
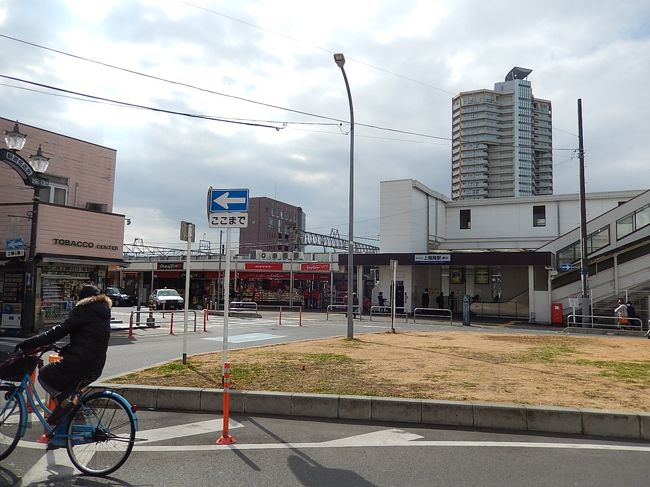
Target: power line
[(323, 49), (205, 90)]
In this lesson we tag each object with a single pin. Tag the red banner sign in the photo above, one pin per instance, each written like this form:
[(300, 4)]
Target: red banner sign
[(316, 266), (273, 276), (263, 266)]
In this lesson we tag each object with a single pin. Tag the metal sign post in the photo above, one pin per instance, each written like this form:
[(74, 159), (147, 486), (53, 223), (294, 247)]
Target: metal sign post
[(187, 234), (227, 208), (393, 264), (226, 300)]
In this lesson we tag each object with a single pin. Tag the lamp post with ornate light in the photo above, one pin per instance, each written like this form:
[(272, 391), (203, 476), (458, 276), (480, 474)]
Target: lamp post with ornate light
[(30, 172), (339, 59)]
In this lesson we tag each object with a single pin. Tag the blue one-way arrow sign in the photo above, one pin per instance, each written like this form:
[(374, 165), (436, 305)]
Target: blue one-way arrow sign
[(228, 200), (14, 244)]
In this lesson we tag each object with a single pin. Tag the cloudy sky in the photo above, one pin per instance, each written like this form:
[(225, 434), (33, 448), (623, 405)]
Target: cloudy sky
[(270, 64)]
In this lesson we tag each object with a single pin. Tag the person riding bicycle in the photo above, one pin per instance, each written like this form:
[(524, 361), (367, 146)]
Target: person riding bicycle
[(83, 359)]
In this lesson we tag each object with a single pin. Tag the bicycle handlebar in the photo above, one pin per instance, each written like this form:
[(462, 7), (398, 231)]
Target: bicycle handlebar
[(39, 351)]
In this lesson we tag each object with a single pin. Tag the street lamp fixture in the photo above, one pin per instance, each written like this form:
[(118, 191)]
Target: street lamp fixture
[(339, 59), (38, 161), (30, 172), (14, 139)]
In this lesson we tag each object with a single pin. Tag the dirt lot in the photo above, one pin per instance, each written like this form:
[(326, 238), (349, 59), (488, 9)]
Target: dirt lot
[(572, 371)]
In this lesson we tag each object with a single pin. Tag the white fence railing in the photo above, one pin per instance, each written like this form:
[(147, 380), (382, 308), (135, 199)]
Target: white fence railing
[(343, 309), (433, 313), (386, 311), (604, 322)]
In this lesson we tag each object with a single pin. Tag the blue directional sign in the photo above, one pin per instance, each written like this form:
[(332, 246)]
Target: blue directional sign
[(566, 267), (230, 200), (14, 244)]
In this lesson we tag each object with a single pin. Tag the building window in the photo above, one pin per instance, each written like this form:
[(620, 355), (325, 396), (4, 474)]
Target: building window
[(633, 222), (56, 192), (598, 240), (465, 219), (539, 216)]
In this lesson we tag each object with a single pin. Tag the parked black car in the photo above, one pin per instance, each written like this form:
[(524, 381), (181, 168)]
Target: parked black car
[(120, 297)]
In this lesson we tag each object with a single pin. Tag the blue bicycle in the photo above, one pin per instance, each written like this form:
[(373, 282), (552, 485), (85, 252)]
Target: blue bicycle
[(98, 432)]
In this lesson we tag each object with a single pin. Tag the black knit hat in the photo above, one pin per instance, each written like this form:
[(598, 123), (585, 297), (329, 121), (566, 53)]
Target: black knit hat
[(88, 290)]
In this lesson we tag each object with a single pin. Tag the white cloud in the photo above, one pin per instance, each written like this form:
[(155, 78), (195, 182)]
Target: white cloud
[(425, 51)]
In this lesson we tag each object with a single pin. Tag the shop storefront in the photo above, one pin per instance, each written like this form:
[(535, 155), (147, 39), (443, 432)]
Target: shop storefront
[(73, 246), (311, 285)]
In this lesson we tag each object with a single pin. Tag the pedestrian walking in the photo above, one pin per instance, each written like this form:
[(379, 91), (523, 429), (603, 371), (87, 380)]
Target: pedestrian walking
[(425, 298), (440, 300), (621, 312)]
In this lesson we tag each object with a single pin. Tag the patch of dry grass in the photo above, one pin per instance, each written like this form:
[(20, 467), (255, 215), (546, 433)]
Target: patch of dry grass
[(594, 372)]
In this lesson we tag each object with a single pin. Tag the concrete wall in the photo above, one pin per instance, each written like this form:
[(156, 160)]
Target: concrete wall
[(413, 217)]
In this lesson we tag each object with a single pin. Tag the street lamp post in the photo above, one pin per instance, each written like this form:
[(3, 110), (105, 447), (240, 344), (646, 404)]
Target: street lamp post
[(31, 173), (340, 61)]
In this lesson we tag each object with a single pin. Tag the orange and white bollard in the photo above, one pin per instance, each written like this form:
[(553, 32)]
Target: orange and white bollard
[(225, 438), (171, 325)]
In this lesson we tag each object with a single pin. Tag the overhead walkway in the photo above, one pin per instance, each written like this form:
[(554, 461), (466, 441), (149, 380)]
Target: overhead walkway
[(618, 243)]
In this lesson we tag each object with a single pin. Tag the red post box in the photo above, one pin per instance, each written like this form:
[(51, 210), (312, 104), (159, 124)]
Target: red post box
[(557, 316)]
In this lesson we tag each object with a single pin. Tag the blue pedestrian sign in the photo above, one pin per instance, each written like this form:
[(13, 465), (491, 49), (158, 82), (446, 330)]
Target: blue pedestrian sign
[(227, 200)]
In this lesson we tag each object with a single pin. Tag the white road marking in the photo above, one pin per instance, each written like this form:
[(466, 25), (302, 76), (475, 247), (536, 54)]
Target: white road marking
[(183, 430), (372, 443), (248, 337), (54, 464)]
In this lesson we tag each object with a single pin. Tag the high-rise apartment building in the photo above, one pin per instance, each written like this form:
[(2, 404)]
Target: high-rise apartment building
[(501, 141), (272, 225)]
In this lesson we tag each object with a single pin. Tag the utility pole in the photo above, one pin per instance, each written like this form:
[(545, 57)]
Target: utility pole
[(584, 269)]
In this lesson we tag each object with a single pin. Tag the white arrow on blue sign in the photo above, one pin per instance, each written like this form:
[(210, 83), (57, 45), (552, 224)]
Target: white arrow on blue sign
[(14, 244), (228, 200)]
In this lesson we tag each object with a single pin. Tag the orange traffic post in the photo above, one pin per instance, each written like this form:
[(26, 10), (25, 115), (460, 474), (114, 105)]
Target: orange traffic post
[(300, 316), (32, 378), (171, 325), (225, 438), (206, 317)]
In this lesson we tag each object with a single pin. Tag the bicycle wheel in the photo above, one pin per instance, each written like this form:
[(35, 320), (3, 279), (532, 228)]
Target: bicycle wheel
[(101, 434), (11, 410)]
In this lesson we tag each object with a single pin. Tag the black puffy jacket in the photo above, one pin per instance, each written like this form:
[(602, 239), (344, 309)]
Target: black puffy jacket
[(89, 327)]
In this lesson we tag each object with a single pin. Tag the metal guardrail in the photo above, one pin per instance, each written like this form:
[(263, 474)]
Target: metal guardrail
[(166, 317), (604, 322), (343, 309), (433, 313), (386, 311)]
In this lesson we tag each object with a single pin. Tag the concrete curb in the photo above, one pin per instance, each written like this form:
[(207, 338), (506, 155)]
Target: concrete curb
[(492, 416)]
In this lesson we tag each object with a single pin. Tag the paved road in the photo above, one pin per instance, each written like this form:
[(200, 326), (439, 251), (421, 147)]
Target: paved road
[(179, 449)]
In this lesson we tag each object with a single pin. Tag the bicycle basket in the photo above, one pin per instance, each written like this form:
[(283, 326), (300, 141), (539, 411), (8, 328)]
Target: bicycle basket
[(15, 367)]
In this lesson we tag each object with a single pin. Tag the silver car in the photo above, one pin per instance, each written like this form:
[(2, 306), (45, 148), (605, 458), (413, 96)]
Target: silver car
[(166, 299)]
